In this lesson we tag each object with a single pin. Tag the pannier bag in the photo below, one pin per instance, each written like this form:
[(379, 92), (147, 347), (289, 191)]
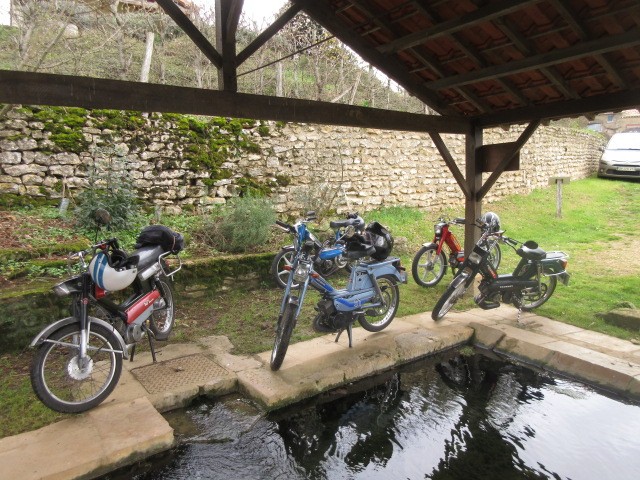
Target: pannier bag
[(152, 235), (381, 239)]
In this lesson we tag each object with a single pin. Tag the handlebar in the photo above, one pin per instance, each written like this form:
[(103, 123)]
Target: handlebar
[(285, 226)]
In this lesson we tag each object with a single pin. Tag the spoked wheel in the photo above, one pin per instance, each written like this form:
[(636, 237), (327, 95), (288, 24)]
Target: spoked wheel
[(534, 300), (162, 319), (283, 259), (64, 382), (284, 330), (376, 319), (495, 255), (428, 267), (453, 293)]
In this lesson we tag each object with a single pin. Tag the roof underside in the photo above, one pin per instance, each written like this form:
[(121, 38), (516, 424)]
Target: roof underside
[(498, 61)]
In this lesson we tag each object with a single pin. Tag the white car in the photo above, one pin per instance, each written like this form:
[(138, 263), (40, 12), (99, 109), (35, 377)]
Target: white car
[(621, 158)]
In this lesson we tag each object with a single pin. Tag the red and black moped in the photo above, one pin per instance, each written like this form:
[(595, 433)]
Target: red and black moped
[(430, 262)]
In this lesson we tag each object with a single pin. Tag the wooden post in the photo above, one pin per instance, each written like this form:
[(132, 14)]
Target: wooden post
[(473, 204), (558, 181)]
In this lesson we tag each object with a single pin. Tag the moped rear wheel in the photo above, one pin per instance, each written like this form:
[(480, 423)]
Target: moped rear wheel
[(376, 319), (534, 300), (162, 319), (451, 295), (284, 329), (428, 267), (66, 384)]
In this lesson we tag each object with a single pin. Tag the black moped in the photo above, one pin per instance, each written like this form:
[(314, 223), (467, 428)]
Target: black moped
[(530, 285)]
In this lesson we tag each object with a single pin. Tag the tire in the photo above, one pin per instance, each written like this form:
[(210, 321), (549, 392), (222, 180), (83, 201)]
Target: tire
[(378, 319), (547, 285), (495, 255), (51, 371), (282, 259), (428, 267), (284, 329), (448, 299), (162, 320)]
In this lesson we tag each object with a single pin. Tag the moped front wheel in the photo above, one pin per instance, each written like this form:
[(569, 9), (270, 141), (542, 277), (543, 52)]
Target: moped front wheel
[(451, 295), (68, 384), (283, 259), (284, 329), (376, 319), (428, 267)]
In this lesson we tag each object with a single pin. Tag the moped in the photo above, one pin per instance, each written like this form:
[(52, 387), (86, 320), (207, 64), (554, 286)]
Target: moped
[(430, 262), (78, 360), (530, 285), (371, 297), (285, 256)]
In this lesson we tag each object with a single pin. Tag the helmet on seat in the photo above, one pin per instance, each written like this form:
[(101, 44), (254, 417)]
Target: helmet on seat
[(112, 272), (491, 222), (381, 239)]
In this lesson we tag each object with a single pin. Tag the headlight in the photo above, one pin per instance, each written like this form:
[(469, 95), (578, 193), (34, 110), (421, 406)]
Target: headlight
[(437, 230), (302, 272), (475, 258)]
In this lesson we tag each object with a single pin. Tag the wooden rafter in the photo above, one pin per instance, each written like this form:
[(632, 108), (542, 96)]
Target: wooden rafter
[(483, 14), (192, 31), (616, 42), (268, 33), (390, 67)]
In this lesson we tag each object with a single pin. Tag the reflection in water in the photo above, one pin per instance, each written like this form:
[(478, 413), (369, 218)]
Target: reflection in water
[(453, 417)]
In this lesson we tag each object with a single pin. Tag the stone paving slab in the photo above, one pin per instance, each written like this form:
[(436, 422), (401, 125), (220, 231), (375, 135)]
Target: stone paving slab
[(86, 445), (312, 367)]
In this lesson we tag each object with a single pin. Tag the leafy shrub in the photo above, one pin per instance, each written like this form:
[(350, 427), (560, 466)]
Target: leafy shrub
[(242, 225), (110, 187)]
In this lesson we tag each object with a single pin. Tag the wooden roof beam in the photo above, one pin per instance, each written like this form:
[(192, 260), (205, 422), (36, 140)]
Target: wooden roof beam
[(572, 20), (570, 108), (615, 42), (268, 33), (192, 31), (483, 14), (31, 88), (390, 67), (376, 18)]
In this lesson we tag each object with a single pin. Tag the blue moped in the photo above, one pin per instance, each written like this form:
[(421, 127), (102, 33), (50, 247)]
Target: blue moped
[(371, 296)]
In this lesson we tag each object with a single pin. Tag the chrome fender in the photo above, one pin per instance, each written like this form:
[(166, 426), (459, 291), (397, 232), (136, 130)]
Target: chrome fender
[(55, 326), (430, 244)]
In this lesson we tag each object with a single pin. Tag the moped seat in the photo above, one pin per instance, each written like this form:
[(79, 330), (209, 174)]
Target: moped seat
[(359, 250), (531, 253), (148, 256), (356, 222)]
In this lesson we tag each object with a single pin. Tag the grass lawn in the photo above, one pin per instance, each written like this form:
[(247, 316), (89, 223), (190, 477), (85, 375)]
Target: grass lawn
[(599, 230)]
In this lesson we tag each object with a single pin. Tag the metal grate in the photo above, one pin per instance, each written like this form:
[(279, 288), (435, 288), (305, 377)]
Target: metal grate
[(176, 374)]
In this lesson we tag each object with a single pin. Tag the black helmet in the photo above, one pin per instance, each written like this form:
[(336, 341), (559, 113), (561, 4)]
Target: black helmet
[(491, 222), (381, 239)]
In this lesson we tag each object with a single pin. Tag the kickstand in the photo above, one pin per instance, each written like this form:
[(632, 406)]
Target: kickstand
[(349, 333), (133, 352), (151, 346)]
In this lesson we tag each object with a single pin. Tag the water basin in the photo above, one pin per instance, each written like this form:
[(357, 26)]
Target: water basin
[(446, 417)]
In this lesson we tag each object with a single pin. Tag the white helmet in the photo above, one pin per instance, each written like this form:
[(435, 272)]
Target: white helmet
[(108, 275)]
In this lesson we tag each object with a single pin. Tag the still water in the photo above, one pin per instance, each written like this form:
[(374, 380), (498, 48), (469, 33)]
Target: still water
[(449, 417)]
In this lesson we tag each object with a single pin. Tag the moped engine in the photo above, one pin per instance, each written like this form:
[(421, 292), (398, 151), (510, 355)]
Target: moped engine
[(487, 297), (133, 333), (329, 320)]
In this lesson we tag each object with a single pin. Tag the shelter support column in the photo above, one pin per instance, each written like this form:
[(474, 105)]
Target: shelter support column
[(473, 176)]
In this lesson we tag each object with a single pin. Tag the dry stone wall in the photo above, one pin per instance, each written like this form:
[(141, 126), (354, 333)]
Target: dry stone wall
[(360, 169)]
